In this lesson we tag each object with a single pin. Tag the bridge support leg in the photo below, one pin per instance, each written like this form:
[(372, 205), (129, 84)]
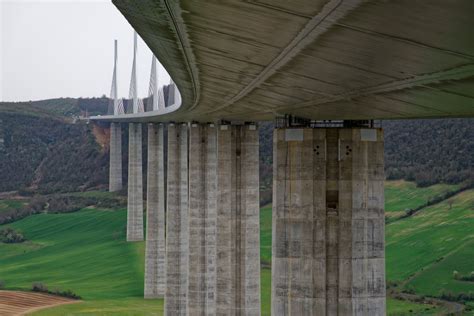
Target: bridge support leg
[(202, 219), (135, 184), (115, 167), (155, 228), (238, 252), (177, 221), (328, 222)]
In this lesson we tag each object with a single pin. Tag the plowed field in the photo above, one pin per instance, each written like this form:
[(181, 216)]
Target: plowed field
[(20, 303)]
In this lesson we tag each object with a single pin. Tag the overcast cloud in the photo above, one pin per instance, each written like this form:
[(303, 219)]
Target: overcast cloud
[(51, 49)]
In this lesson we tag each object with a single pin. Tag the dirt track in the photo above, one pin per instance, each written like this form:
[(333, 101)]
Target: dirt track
[(20, 303)]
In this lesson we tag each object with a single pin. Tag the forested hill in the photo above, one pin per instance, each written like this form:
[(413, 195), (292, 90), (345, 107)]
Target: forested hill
[(43, 147), (430, 151)]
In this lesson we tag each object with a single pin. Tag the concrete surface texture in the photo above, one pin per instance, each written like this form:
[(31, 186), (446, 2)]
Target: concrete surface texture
[(328, 222), (177, 234), (202, 219), (115, 166), (135, 184), (318, 59), (238, 243), (155, 228)]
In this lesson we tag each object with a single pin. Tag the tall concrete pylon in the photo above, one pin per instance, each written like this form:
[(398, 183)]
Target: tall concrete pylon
[(161, 100), (115, 164), (135, 184), (171, 93), (238, 228), (201, 293), (155, 229), (174, 97), (328, 222), (177, 238)]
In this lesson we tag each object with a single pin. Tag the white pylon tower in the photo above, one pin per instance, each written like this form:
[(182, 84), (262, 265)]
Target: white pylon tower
[(177, 95), (153, 89), (174, 97), (161, 100), (137, 106), (156, 95), (117, 104)]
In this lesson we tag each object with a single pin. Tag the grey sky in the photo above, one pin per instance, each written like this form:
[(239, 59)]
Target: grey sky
[(51, 49)]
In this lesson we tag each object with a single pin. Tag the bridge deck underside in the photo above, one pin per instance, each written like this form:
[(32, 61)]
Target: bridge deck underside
[(237, 60)]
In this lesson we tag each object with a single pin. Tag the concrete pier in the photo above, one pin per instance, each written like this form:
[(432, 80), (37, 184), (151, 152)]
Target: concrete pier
[(238, 240), (135, 184), (177, 241), (115, 166), (155, 228), (328, 222), (202, 219)]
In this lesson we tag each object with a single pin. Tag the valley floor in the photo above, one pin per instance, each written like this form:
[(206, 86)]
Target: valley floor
[(86, 252)]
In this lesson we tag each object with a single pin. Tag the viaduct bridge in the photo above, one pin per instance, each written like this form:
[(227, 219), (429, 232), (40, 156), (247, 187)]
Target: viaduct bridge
[(323, 70)]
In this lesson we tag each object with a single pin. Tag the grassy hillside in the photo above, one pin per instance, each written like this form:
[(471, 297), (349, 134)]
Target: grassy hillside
[(266, 234), (84, 251), (404, 308), (429, 235), (402, 196), (428, 247)]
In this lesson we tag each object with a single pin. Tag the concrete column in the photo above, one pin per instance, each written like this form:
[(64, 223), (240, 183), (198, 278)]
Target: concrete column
[(115, 167), (328, 222), (155, 227), (202, 219), (238, 240), (135, 184), (177, 241)]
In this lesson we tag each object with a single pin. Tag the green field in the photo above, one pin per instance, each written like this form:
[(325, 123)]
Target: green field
[(402, 195), (403, 308), (432, 244), (87, 253), (429, 235), (83, 251), (266, 234)]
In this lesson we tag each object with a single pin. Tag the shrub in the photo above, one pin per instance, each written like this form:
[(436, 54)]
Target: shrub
[(455, 275), (10, 236), (39, 287), (409, 289), (67, 293), (460, 297), (468, 278), (391, 284)]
